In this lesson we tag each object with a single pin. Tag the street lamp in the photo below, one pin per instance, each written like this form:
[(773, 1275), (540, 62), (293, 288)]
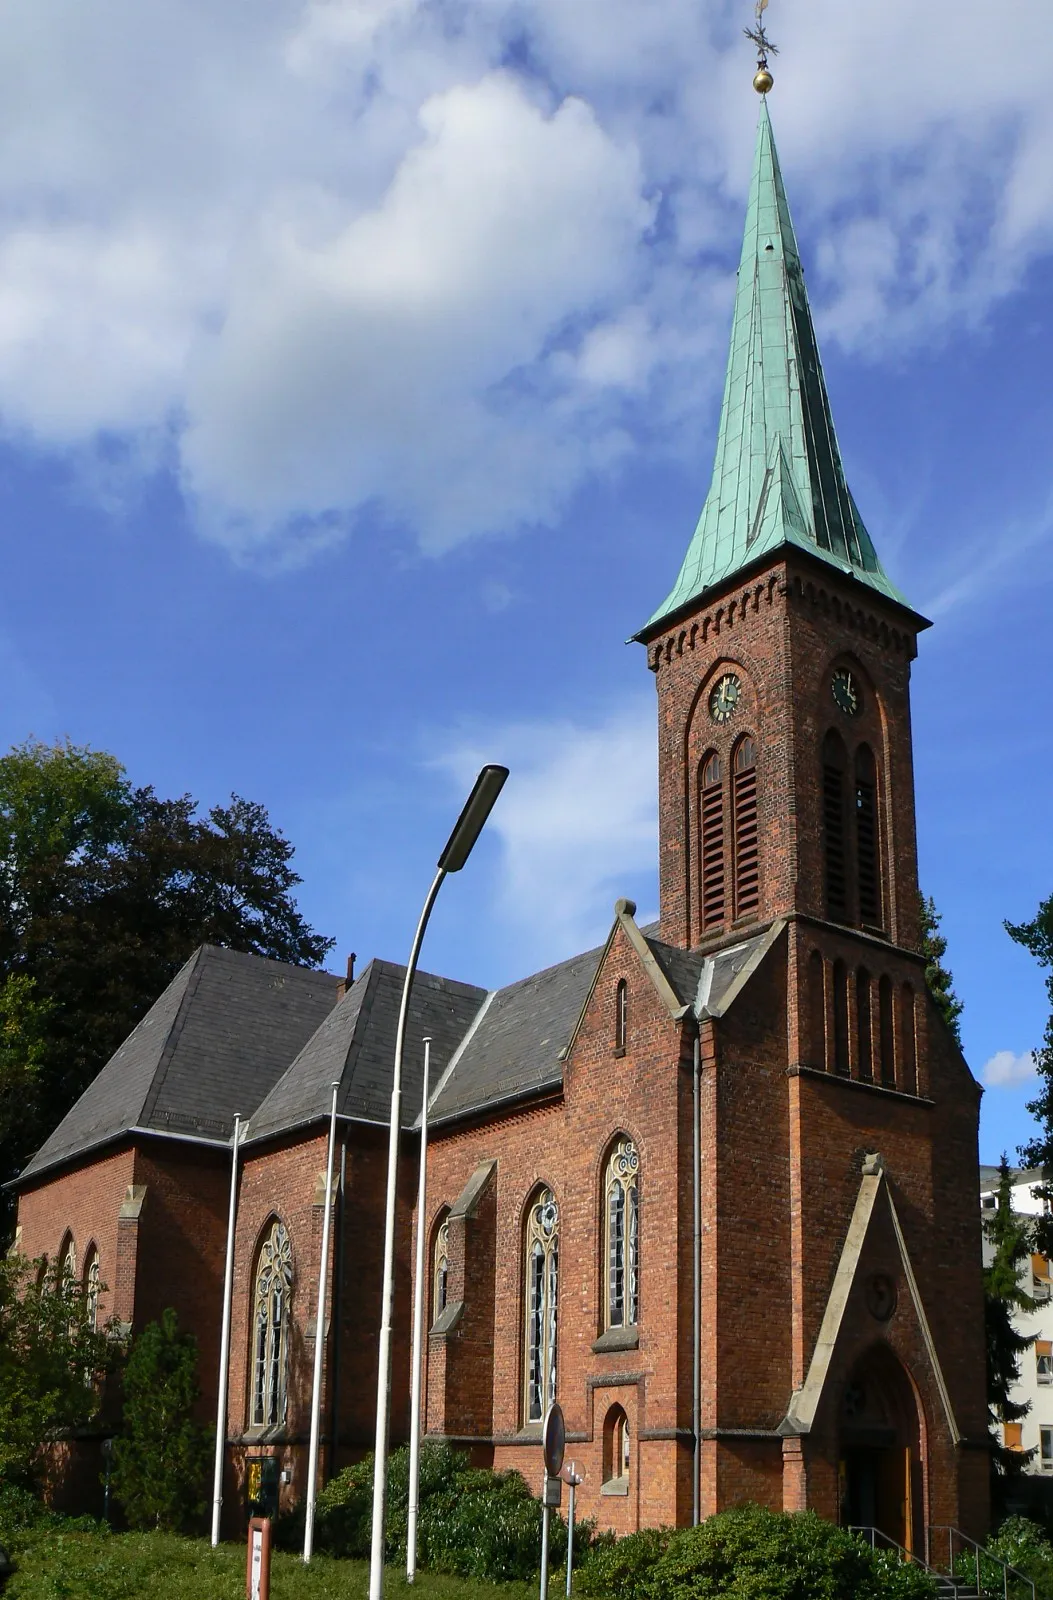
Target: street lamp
[(469, 825)]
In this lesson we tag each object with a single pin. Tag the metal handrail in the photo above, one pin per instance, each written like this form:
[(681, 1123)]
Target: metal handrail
[(978, 1552), (872, 1535)]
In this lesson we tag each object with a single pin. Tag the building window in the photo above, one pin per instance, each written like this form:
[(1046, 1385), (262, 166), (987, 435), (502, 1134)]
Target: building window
[(864, 1038), (711, 811), (441, 1269), (621, 1015), (622, 1253), (271, 1328), (1013, 1435), (617, 1452), (835, 842), (867, 858), (1040, 1280), (1044, 1360), (92, 1282), (1045, 1449), (68, 1265), (542, 1297), (744, 828)]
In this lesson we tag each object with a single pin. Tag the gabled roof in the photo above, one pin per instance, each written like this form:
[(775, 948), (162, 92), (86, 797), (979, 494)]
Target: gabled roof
[(516, 1046), (212, 1045), (777, 478), (355, 1046)]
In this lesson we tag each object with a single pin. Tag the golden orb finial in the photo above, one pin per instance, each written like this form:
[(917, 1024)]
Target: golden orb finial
[(762, 80)]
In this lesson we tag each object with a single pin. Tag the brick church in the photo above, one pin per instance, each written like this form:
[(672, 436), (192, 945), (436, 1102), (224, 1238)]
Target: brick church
[(713, 1184)]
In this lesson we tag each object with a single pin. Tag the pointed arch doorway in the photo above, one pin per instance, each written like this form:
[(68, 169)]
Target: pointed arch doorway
[(881, 1450)]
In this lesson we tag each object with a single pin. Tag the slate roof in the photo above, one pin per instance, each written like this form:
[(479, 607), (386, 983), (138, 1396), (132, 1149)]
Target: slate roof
[(778, 479), (515, 1047), (355, 1045), (213, 1044)]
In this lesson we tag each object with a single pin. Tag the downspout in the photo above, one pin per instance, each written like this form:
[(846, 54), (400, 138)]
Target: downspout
[(338, 1310), (696, 1262)]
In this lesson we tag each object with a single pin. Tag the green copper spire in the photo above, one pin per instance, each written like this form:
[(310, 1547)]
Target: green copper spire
[(777, 478)]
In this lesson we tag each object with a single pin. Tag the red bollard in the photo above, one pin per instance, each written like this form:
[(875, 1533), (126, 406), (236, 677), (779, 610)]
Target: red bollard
[(258, 1561)]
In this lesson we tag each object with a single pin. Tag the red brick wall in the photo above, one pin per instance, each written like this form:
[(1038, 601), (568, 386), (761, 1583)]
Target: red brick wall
[(85, 1200)]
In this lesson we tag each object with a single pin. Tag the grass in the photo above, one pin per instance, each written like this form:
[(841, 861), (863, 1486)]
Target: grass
[(56, 1563)]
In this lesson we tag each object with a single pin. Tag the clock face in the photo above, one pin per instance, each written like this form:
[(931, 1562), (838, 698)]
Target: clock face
[(724, 698), (845, 689)]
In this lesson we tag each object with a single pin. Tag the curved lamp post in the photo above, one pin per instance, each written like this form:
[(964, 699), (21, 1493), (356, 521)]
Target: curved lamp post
[(459, 845)]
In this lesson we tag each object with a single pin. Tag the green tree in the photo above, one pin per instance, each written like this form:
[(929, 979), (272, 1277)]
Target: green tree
[(105, 890), (1037, 937), (937, 976), (1009, 1246), (161, 1460), (52, 1361)]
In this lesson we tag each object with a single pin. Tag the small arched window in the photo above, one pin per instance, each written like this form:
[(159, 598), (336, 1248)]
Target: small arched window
[(68, 1266), (835, 842), (711, 828), (744, 828), (622, 1236), (542, 1299), (617, 1450), (864, 1025), (270, 1328), (621, 1014), (440, 1269), (840, 987), (816, 1044), (867, 858), (885, 1032), (92, 1282)]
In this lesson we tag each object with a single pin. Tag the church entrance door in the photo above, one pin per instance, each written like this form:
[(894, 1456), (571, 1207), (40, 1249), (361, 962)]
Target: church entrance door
[(880, 1454)]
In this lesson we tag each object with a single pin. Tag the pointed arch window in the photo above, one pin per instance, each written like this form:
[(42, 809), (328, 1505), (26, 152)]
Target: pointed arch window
[(68, 1265), (270, 1328), (835, 840), (622, 1235), (744, 828), (542, 1299), (867, 857), (711, 828), (617, 1451), (441, 1269), (92, 1283)]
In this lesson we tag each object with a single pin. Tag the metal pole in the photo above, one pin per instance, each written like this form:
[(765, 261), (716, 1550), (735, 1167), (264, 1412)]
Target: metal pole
[(544, 1541), (418, 1332), (696, 1298), (224, 1349), (319, 1343), (570, 1536), (380, 1459)]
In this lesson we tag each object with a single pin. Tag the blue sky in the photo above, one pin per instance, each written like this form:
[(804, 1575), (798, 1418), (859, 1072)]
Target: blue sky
[(359, 369)]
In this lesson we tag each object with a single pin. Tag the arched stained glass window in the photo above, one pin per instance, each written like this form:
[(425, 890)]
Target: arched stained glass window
[(68, 1265), (92, 1281), (622, 1219), (441, 1269), (270, 1328), (542, 1297)]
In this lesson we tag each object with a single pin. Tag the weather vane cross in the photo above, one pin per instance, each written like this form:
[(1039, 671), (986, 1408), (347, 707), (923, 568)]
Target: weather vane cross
[(763, 79)]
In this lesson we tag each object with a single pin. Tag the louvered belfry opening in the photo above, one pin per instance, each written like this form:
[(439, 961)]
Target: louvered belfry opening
[(744, 828), (711, 809), (834, 831), (867, 840)]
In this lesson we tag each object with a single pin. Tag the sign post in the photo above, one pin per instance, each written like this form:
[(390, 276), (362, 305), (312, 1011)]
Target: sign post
[(573, 1477), (553, 1445), (258, 1564)]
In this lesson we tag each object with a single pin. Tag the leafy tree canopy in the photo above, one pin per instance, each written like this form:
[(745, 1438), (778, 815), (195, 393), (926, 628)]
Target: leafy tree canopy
[(105, 891), (50, 1359), (1037, 937), (1009, 1247), (937, 976), (161, 1460)]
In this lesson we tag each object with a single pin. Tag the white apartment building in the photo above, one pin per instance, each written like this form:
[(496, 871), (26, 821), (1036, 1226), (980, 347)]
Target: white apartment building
[(1035, 1432)]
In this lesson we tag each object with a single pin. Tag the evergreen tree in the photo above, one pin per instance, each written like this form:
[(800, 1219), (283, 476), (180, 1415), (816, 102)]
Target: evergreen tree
[(1009, 1247), (1037, 937), (937, 976), (105, 891), (161, 1461)]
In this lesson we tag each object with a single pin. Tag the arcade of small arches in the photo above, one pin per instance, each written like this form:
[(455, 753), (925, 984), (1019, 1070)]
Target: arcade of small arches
[(860, 1025)]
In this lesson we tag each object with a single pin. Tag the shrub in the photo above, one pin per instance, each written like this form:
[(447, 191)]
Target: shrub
[(618, 1569), (754, 1554), (160, 1464), (1024, 1545)]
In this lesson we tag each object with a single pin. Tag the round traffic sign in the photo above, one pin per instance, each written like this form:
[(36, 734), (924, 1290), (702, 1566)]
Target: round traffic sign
[(553, 1439)]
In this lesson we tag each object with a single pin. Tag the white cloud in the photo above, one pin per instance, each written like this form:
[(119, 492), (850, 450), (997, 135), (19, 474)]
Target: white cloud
[(349, 254), (1007, 1071), (577, 822)]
